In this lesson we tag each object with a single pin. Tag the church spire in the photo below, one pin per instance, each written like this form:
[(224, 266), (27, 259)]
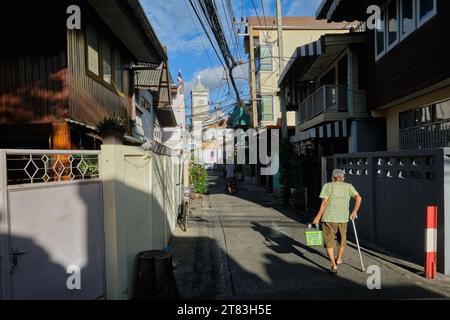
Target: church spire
[(199, 86)]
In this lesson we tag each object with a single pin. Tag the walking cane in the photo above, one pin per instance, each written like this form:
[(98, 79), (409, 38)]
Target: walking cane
[(359, 248)]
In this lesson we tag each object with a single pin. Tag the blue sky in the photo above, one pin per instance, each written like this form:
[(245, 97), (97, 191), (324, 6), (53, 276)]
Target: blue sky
[(178, 29)]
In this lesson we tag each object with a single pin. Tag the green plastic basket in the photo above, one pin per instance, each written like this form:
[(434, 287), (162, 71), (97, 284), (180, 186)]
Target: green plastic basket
[(314, 238)]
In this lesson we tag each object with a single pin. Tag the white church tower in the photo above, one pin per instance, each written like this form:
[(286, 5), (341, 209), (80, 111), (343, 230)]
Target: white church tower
[(200, 102)]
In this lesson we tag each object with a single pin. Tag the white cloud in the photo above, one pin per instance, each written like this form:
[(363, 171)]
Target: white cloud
[(173, 24), (211, 77), (214, 77)]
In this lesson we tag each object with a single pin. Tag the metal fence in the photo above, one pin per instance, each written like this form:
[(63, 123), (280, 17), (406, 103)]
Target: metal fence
[(39, 166), (435, 135), (397, 187), (327, 98), (51, 219)]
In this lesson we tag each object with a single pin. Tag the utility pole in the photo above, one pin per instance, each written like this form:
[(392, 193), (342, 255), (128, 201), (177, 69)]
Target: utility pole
[(284, 126)]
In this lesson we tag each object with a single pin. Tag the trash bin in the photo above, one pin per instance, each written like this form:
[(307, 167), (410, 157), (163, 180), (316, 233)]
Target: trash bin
[(155, 278)]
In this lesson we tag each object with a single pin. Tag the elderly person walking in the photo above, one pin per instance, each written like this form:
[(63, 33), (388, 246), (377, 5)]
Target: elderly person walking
[(335, 214)]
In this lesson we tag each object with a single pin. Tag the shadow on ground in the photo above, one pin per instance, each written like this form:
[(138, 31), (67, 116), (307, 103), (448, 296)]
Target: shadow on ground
[(210, 274)]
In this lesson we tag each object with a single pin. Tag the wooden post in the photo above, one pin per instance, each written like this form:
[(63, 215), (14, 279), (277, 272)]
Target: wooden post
[(61, 141), (61, 137)]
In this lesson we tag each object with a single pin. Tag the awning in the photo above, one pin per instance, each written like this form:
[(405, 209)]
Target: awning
[(158, 82), (301, 60), (166, 116), (159, 148), (148, 79), (310, 60), (337, 129), (81, 124)]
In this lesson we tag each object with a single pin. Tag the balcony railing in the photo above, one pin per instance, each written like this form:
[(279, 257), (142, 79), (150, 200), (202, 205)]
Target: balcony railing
[(431, 136), (326, 99)]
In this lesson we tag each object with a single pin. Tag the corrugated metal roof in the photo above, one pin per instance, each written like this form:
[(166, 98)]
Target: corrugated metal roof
[(148, 78)]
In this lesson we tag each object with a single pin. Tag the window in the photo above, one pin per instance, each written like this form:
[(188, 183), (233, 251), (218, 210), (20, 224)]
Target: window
[(423, 116), (93, 55), (147, 105), (107, 62), (443, 111), (329, 78), (426, 9), (426, 115), (408, 17), (407, 119), (380, 36), (399, 18), (264, 60), (392, 23), (265, 108), (103, 62), (118, 69), (258, 82)]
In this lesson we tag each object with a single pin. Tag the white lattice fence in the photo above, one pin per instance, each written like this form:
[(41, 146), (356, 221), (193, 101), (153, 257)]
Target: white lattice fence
[(48, 166)]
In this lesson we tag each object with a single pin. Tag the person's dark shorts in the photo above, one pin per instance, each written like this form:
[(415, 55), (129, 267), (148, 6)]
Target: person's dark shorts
[(332, 230)]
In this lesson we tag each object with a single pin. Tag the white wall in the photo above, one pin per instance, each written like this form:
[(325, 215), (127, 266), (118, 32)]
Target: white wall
[(140, 211), (269, 79)]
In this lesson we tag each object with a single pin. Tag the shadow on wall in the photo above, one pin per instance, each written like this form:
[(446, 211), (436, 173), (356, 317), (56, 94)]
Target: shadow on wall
[(38, 276), (58, 226), (143, 222), (56, 232)]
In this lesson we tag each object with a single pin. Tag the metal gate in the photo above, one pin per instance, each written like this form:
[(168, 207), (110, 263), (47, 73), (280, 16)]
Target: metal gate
[(397, 187), (51, 225)]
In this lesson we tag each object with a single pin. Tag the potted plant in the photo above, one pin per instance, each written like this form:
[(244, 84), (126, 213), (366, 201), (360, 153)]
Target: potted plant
[(112, 129)]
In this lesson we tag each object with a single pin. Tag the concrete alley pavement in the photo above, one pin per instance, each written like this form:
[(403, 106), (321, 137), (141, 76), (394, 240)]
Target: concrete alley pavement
[(250, 247)]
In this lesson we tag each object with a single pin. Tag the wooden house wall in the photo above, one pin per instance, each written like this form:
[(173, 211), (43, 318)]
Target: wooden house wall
[(33, 63), (33, 89), (90, 100), (415, 63)]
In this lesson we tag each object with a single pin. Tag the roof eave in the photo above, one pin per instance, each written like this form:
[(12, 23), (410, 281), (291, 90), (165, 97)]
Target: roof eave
[(147, 26), (344, 10), (128, 21), (322, 11), (328, 40)]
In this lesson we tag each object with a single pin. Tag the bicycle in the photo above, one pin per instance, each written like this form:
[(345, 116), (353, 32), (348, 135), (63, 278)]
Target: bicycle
[(231, 186), (186, 212)]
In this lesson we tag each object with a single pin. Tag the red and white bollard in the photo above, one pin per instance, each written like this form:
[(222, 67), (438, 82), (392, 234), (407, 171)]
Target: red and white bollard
[(431, 243)]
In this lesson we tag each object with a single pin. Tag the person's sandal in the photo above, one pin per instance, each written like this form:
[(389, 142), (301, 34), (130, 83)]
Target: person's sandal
[(340, 262), (333, 271)]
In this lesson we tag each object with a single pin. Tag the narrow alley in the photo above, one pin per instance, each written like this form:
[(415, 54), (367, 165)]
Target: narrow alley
[(250, 247)]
